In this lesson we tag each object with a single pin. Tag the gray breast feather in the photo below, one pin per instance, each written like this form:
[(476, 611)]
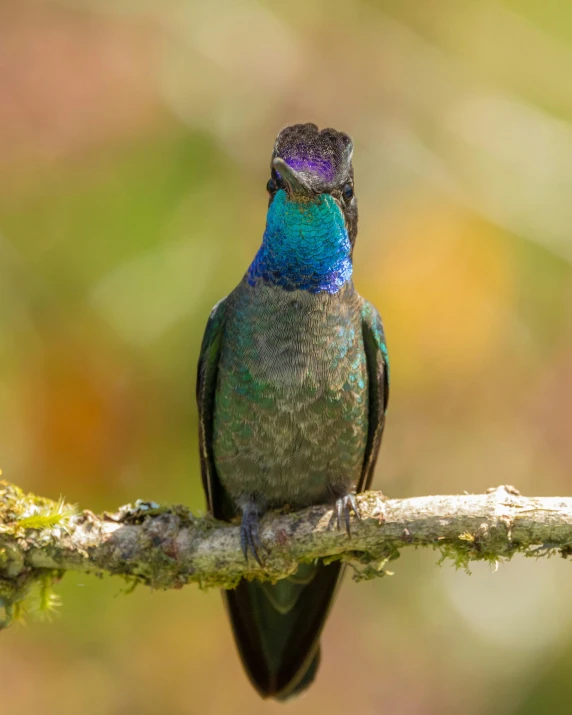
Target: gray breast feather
[(290, 420)]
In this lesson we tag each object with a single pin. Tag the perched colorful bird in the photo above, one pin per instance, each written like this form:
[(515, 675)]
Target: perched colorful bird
[(292, 392)]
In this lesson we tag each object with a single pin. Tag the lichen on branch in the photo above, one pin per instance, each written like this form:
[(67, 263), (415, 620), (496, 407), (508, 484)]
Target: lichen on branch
[(168, 547)]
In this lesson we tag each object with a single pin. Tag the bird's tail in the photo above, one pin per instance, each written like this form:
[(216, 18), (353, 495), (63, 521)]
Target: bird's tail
[(277, 627)]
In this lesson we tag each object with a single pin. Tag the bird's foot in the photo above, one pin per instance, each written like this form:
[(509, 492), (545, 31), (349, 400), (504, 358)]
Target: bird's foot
[(344, 505), (249, 537)]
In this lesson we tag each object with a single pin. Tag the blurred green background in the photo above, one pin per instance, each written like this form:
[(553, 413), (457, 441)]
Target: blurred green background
[(135, 137)]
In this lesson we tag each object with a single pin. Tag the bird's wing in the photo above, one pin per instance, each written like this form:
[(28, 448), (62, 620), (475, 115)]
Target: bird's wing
[(378, 377), (206, 385)]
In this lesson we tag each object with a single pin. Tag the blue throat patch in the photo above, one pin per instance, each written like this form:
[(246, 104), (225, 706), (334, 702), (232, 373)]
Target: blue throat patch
[(305, 246)]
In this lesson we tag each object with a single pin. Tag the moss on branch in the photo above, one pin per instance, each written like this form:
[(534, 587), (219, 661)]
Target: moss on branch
[(167, 547)]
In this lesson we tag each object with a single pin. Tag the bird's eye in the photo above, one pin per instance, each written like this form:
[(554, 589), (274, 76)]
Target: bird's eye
[(348, 192), (271, 186)]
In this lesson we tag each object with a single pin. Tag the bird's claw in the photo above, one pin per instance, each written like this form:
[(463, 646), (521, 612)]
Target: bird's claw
[(249, 536), (344, 505)]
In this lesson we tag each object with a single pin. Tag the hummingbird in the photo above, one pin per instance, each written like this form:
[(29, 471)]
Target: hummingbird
[(292, 391)]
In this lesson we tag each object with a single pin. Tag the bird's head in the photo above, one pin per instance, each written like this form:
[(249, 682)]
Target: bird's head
[(311, 224), (310, 165)]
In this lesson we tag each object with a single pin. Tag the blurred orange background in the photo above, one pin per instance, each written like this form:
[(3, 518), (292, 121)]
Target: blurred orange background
[(135, 140)]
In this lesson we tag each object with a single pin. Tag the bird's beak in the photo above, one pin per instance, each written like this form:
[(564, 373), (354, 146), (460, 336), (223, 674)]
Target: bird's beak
[(294, 182)]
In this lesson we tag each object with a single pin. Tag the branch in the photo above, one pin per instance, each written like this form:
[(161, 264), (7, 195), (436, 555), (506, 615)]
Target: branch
[(168, 547)]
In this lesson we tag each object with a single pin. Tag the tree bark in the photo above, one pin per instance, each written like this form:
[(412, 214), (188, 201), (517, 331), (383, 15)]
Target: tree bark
[(168, 547)]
